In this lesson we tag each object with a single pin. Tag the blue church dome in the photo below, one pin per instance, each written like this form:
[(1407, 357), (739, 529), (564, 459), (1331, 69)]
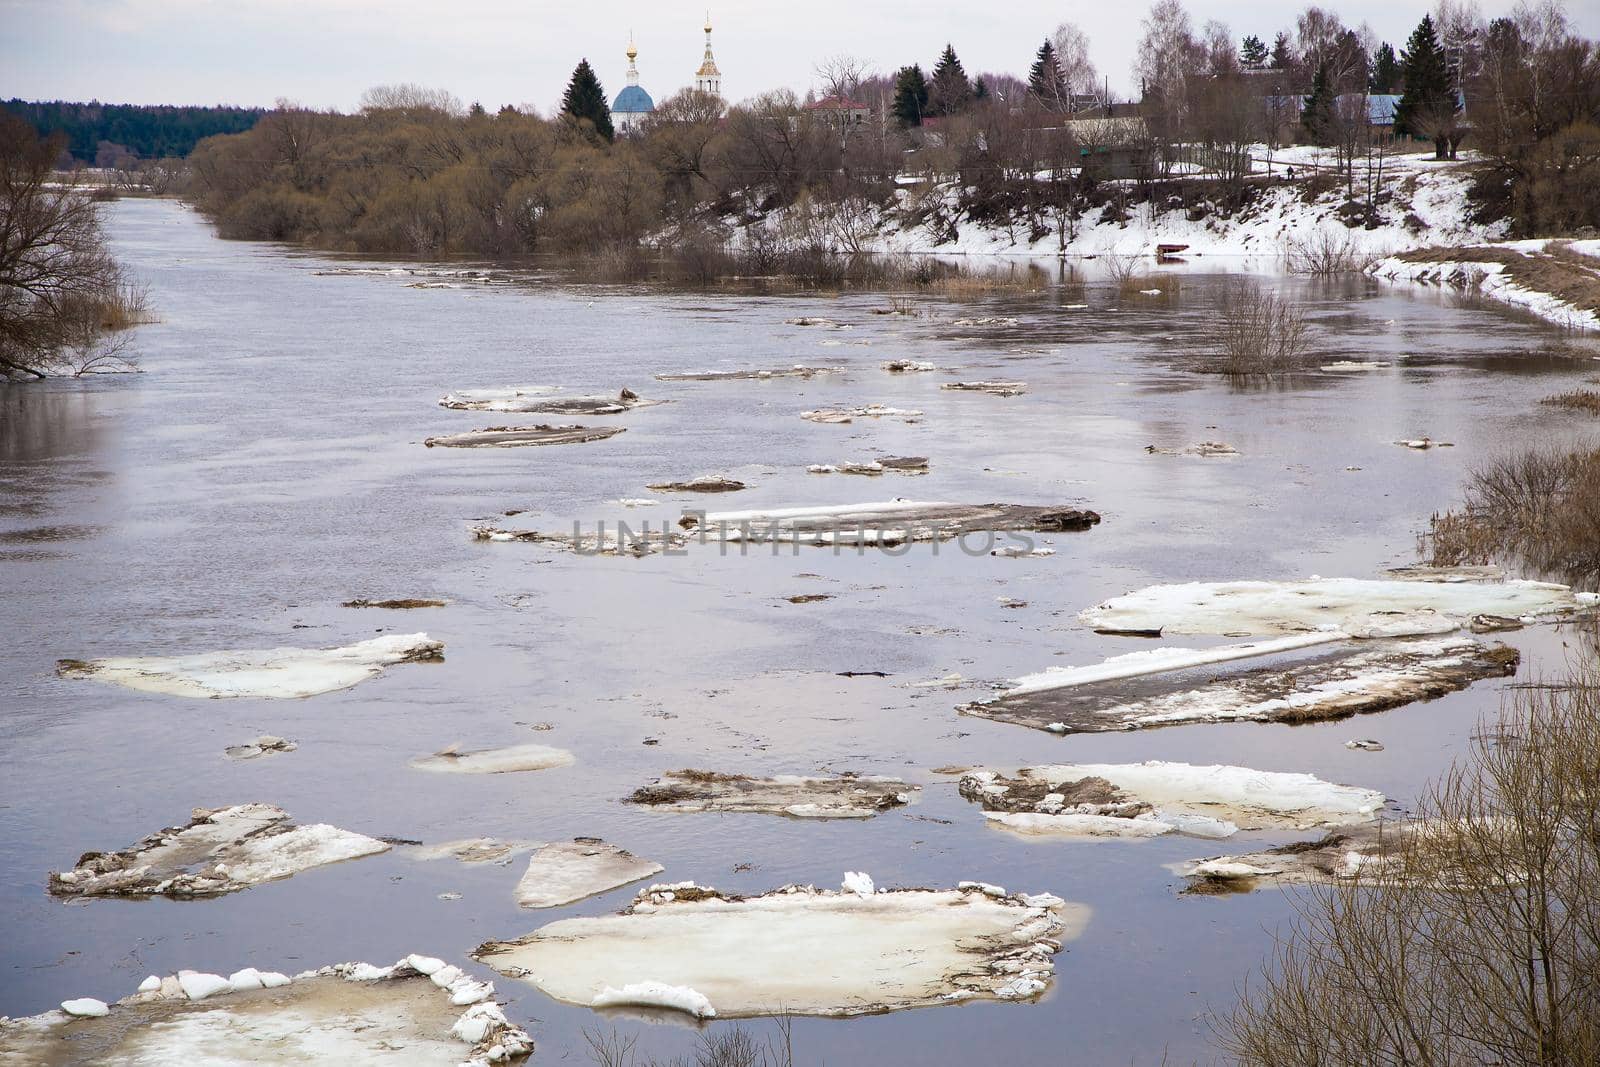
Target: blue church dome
[(633, 100)]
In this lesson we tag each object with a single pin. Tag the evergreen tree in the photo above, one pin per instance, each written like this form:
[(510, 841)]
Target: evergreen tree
[(1045, 81), (980, 88), (1317, 115), (1282, 53), (1252, 53), (585, 99), (1427, 99), (910, 96), (949, 92), (1385, 70), (476, 110)]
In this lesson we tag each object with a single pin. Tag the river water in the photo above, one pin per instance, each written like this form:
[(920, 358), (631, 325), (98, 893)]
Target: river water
[(268, 465)]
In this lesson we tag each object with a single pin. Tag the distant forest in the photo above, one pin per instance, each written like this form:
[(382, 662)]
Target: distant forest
[(107, 135)]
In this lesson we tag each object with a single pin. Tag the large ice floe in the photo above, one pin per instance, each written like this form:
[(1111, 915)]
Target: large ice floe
[(418, 1010), (283, 673), (873, 467), (1359, 607), (1299, 678), (884, 522), (523, 436), (530, 757), (221, 850), (1153, 798), (523, 400), (839, 416), (1341, 853), (842, 796), (797, 950), (568, 871)]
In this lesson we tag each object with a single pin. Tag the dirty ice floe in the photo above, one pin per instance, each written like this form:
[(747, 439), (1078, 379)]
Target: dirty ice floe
[(521, 436), (520, 400), (1300, 678), (620, 539), (1341, 853), (352, 1014), (1157, 797), (904, 366), (872, 467), (843, 796), (993, 388), (808, 320), (988, 320), (568, 871), (1359, 607), (800, 950), (705, 483), (884, 522), (864, 411), (1204, 448), (529, 757), (796, 371), (221, 850), (261, 746), (283, 673)]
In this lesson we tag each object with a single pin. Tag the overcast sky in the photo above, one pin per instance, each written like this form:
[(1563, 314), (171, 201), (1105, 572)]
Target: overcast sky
[(323, 53)]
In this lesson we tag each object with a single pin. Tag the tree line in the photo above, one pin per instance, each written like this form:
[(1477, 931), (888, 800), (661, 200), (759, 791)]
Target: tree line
[(111, 135)]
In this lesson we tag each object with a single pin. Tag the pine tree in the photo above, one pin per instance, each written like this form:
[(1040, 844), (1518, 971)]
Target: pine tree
[(949, 92), (1385, 70), (1045, 81), (1317, 115), (910, 96), (1252, 53), (585, 99), (980, 89), (1282, 54), (1427, 101)]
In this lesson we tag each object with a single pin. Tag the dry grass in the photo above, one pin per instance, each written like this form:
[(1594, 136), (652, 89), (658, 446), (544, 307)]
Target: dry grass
[(1477, 939), (732, 1047), (1541, 506), (1565, 274), (1260, 334), (1579, 399)]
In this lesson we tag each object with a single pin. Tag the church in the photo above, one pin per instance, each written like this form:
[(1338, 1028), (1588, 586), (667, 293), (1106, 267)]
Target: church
[(633, 105)]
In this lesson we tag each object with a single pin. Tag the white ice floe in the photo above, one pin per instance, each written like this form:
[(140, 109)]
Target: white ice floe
[(219, 851), (656, 995), (1202, 449), (283, 673), (354, 1015), (85, 1008), (873, 467), (902, 366), (1299, 678), (521, 401), (1352, 365), (859, 883), (1076, 824), (150, 984), (801, 951), (568, 871), (1359, 607), (528, 757), (797, 371), (865, 411), (844, 796), (992, 388)]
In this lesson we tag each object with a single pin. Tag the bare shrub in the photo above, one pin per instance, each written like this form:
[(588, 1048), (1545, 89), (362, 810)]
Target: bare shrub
[(1541, 505), (1326, 251), (1478, 939), (1121, 267), (732, 1047), (1259, 334)]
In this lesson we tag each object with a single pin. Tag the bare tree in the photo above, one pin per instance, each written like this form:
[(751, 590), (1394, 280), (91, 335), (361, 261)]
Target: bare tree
[(1167, 60), (411, 101), (1072, 56), (841, 75)]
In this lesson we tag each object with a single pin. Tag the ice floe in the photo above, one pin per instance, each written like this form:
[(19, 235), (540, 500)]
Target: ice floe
[(864, 411), (352, 1014), (1340, 853), (796, 371), (519, 436), (797, 950), (884, 522), (897, 464), (1203, 448), (398, 604), (993, 388), (221, 850), (1352, 365), (812, 320), (843, 796), (905, 366), (474, 850), (1158, 797), (1357, 606), (530, 757), (264, 745), (282, 673), (1300, 678), (521, 401), (618, 540), (705, 483), (568, 871)]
